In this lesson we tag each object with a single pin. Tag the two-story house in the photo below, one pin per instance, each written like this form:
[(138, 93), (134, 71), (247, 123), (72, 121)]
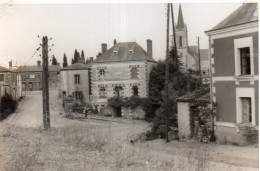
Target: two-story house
[(75, 82), (234, 66), (122, 71), (32, 77)]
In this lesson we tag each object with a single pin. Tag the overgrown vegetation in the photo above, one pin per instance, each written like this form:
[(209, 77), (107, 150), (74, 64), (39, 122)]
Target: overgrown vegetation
[(79, 146), (8, 106), (180, 83), (202, 114)]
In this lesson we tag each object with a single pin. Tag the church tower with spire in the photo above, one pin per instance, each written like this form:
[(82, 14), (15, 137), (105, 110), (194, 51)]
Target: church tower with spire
[(188, 55), (181, 32)]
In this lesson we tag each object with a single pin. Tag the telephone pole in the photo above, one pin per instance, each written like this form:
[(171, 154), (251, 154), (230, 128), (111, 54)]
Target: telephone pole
[(45, 86), (175, 47), (166, 101), (199, 59)]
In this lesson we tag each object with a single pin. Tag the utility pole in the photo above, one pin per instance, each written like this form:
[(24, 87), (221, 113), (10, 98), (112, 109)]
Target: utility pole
[(175, 47), (199, 59), (166, 100), (45, 86)]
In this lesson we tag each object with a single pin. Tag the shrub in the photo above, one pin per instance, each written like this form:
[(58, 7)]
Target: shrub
[(8, 106)]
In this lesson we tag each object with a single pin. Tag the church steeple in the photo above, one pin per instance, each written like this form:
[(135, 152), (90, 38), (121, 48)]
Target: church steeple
[(180, 24)]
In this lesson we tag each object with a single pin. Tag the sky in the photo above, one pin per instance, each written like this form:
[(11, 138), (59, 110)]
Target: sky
[(86, 26)]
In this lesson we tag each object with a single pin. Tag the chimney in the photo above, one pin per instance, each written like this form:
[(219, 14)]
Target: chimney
[(38, 63), (104, 47), (149, 48), (10, 64)]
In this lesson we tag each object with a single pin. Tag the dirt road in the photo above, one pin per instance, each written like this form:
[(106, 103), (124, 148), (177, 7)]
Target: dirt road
[(29, 112)]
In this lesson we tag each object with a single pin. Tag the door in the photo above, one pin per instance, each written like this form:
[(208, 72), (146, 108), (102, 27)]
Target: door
[(30, 86), (246, 110)]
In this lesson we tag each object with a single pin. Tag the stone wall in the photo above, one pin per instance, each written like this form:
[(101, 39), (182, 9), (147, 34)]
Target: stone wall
[(137, 113), (184, 124), (119, 73)]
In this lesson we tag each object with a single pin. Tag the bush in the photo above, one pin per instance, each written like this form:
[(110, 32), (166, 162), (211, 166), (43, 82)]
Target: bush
[(8, 106)]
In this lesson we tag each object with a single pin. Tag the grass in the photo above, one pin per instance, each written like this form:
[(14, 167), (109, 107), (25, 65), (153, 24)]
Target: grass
[(85, 147)]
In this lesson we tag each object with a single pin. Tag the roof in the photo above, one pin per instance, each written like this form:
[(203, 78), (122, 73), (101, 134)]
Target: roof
[(36, 68), (246, 13), (204, 53), (194, 53), (76, 66), (123, 53), (180, 24), (202, 94)]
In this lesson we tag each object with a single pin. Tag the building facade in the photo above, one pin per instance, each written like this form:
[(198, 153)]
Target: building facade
[(10, 83), (234, 68), (121, 71), (75, 82), (32, 77)]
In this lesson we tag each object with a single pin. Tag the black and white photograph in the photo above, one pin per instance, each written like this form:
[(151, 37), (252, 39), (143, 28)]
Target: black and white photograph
[(129, 86)]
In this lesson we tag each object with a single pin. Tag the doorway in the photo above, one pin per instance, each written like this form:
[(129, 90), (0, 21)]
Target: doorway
[(118, 111)]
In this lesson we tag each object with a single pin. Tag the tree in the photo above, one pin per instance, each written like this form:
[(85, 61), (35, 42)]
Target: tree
[(179, 84), (65, 62), (72, 61), (115, 42), (82, 54), (76, 56), (54, 60), (99, 54)]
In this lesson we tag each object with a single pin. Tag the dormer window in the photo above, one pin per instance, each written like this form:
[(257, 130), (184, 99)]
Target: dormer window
[(131, 51), (115, 52)]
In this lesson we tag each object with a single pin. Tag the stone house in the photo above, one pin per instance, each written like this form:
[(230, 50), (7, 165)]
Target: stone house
[(10, 82), (121, 71), (32, 77), (75, 82), (234, 66)]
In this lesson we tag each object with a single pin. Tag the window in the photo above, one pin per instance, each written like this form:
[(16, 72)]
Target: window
[(32, 76), (131, 51), (1, 77), (102, 72), (134, 73), (135, 90), (23, 85), (246, 110), (78, 95), (180, 41), (115, 52), (245, 61), (77, 79), (102, 92), (118, 91), (244, 56)]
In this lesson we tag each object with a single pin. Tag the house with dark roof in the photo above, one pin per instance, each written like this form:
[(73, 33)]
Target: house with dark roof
[(32, 77), (121, 71), (234, 67), (189, 54), (75, 82)]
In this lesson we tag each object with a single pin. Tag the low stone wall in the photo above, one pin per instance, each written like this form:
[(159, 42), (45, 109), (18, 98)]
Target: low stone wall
[(137, 113), (235, 135)]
